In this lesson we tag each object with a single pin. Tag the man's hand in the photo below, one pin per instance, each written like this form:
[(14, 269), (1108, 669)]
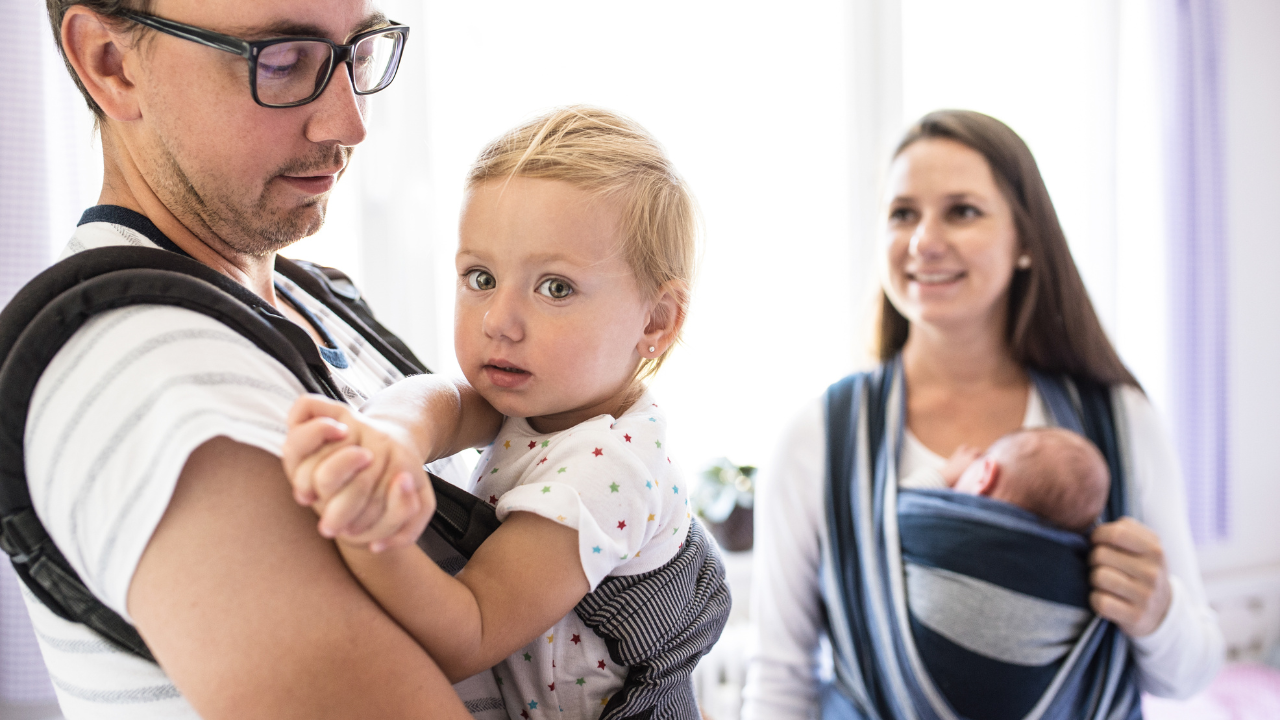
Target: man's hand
[(361, 475), (1129, 578)]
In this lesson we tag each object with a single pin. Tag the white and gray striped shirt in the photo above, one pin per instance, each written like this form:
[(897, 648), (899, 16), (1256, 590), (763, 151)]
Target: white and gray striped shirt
[(112, 422)]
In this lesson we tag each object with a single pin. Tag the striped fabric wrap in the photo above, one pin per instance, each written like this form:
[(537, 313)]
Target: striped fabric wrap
[(944, 606), (659, 624)]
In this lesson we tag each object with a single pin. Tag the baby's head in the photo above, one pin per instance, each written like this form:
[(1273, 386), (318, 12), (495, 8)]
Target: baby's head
[(575, 261), (1054, 473)]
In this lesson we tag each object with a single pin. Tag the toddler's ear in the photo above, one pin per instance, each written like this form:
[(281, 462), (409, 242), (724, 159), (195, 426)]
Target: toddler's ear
[(665, 319)]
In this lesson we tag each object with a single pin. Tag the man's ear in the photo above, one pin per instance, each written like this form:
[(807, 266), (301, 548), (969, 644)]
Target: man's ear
[(666, 317), (990, 476), (97, 54)]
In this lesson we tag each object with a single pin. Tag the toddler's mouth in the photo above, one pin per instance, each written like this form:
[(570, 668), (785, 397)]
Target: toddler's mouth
[(503, 374)]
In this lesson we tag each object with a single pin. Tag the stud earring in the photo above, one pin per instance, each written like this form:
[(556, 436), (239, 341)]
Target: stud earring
[(651, 348), (1024, 261)]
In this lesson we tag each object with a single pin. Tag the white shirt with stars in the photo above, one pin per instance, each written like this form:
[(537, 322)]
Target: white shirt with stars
[(613, 482)]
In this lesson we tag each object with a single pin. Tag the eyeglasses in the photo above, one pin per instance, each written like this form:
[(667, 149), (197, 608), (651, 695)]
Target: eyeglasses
[(291, 71)]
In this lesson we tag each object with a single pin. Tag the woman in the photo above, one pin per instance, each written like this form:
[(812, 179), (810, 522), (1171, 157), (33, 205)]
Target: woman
[(982, 309)]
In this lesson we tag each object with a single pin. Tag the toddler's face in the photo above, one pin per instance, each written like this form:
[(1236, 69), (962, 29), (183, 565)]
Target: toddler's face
[(549, 318)]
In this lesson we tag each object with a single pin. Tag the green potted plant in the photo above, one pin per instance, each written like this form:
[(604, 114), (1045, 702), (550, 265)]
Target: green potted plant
[(724, 499)]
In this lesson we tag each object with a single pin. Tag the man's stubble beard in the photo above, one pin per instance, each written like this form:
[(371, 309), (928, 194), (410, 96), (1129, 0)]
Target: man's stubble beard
[(253, 229)]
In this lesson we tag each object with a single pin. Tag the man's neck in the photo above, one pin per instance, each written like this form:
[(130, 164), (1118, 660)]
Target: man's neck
[(124, 186)]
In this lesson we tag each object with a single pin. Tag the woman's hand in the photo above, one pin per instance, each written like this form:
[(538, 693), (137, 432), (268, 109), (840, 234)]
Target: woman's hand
[(1129, 578)]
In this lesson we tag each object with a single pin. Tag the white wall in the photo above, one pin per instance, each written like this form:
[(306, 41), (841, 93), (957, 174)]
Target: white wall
[(1251, 71)]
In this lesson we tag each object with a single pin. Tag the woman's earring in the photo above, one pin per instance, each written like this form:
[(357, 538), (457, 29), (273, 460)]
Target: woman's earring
[(1024, 261), (651, 348)]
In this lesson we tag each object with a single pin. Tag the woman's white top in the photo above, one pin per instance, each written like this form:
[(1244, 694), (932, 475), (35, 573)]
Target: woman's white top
[(787, 610)]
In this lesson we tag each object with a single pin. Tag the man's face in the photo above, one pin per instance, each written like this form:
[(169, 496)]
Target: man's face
[(255, 178)]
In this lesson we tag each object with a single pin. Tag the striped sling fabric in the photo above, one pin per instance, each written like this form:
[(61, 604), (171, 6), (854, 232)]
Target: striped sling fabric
[(659, 624), (943, 606)]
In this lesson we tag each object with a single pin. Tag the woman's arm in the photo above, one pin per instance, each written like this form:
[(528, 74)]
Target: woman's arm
[(1186, 649), (786, 605), (521, 581)]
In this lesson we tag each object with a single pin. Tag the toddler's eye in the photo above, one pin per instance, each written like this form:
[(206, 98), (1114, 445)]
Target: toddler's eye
[(555, 288), (480, 280)]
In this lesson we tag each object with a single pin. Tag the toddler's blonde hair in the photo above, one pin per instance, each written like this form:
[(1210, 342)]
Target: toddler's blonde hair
[(613, 158)]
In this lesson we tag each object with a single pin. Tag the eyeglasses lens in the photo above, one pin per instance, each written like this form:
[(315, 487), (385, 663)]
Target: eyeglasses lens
[(373, 62), (289, 72)]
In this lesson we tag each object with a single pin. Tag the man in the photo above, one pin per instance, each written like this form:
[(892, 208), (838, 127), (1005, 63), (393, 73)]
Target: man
[(153, 437)]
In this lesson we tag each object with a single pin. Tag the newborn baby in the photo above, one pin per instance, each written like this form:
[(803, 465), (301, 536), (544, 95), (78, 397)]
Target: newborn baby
[(1054, 473)]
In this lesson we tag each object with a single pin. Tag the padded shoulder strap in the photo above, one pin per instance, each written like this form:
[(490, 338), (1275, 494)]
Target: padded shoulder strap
[(49, 310), (38, 323)]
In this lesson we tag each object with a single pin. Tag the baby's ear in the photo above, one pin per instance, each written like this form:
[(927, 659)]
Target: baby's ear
[(990, 476)]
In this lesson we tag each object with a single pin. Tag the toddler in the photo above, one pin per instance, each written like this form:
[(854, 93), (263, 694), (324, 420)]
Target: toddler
[(575, 258), (1054, 473)]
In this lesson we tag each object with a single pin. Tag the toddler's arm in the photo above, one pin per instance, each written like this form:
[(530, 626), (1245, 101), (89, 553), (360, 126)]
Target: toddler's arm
[(344, 463), (520, 582), (956, 464)]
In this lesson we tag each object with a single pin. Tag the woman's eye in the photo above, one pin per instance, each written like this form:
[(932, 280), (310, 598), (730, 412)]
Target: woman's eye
[(481, 280), (898, 215), (965, 212), (555, 288)]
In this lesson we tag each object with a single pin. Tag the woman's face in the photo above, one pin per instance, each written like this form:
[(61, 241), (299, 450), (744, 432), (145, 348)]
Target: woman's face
[(951, 243)]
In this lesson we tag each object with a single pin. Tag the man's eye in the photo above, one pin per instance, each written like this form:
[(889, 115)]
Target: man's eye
[(481, 280), (555, 288)]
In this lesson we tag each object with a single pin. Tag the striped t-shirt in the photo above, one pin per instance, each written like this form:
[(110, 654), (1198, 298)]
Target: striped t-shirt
[(112, 422)]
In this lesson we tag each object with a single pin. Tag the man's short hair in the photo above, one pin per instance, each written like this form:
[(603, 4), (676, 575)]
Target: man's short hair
[(111, 11)]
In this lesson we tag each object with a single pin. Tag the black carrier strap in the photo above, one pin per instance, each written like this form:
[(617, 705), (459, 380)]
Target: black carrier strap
[(43, 316)]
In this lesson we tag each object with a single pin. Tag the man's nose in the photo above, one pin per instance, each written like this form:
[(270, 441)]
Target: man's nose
[(338, 114), (503, 319)]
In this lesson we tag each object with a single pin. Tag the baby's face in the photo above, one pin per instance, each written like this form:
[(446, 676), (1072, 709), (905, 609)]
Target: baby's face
[(549, 317)]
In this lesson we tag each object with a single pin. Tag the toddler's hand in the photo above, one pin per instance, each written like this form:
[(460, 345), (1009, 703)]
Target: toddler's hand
[(358, 474)]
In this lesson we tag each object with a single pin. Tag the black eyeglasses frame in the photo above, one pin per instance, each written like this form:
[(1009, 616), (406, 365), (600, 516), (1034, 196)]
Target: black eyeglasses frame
[(251, 49)]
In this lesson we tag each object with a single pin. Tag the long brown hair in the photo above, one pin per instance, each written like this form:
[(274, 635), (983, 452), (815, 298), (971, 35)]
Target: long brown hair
[(1051, 325)]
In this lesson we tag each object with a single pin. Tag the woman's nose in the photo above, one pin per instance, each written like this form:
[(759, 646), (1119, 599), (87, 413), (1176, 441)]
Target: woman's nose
[(928, 237), (502, 319)]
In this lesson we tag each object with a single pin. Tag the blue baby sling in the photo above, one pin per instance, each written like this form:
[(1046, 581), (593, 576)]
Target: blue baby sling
[(944, 606)]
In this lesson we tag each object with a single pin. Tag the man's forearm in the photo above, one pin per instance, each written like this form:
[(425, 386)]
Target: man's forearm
[(443, 416)]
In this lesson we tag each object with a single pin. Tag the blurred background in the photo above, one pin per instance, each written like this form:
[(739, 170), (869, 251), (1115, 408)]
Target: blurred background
[(1154, 123)]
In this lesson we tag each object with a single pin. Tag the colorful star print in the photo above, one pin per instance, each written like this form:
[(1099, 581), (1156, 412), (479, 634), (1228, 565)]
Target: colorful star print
[(597, 452), (675, 489), (524, 714), (551, 639), (491, 472), (580, 681), (650, 520), (575, 639), (493, 499), (533, 704), (658, 443), (532, 444), (600, 664), (622, 524), (542, 461), (613, 487), (546, 443), (596, 549), (561, 470), (506, 444), (626, 437), (528, 657), (648, 484), (552, 687), (546, 489)]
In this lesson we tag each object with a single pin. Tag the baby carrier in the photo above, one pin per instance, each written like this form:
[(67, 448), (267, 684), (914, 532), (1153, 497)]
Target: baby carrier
[(659, 624), (944, 606)]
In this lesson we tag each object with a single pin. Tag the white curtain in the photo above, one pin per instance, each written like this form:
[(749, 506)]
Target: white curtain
[(24, 251)]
